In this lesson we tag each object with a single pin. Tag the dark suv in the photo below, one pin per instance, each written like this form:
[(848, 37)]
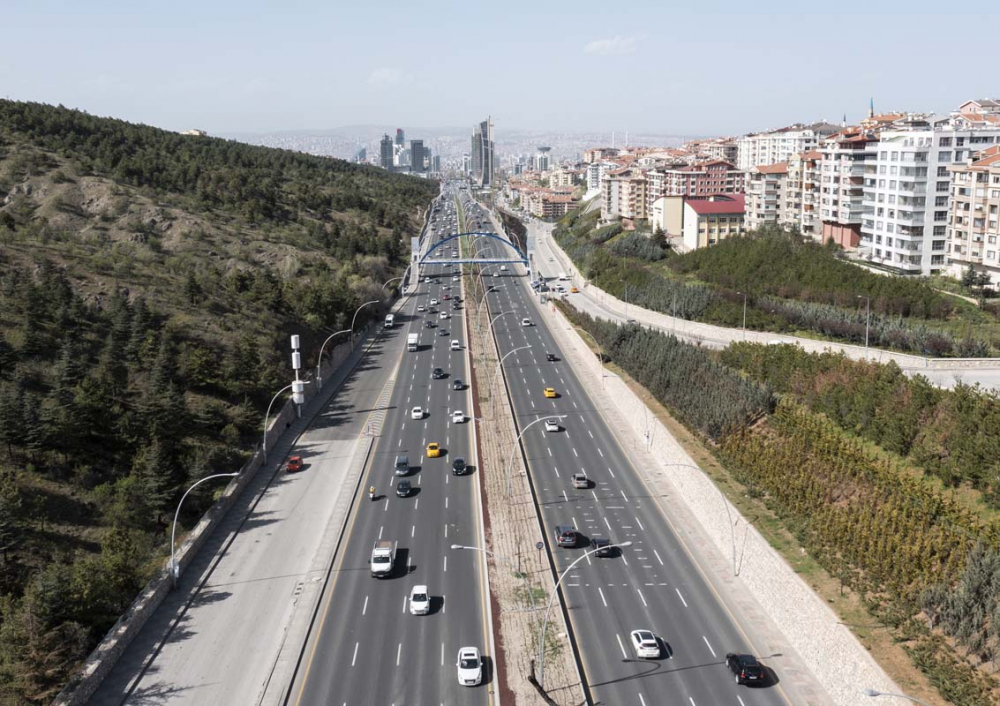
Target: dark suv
[(551, 357), (458, 467), (437, 374), (565, 536), (746, 668), (603, 546)]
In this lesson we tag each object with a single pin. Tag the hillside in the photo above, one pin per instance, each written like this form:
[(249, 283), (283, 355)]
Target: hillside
[(148, 285)]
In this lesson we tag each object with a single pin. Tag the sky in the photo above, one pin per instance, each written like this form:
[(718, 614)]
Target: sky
[(656, 66)]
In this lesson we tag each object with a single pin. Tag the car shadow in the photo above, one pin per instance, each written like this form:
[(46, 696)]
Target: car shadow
[(770, 678), (414, 492), (437, 604), (401, 567)]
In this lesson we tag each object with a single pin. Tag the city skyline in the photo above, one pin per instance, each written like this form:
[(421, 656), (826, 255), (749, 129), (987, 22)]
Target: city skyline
[(239, 72)]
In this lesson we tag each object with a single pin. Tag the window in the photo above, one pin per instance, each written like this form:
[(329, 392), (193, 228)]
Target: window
[(892, 183), (937, 245), (895, 156), (991, 239), (944, 156), (945, 142), (881, 183), (940, 215), (890, 228), (941, 201), (942, 171), (881, 169), (942, 186), (991, 254)]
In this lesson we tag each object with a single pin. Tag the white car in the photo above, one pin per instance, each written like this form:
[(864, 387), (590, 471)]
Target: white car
[(646, 645), (526, 322), (443, 315), (420, 307), (454, 279), (551, 425), (434, 302), (457, 417), (417, 413), (470, 667), (455, 345), (581, 481), (496, 274), (420, 601)]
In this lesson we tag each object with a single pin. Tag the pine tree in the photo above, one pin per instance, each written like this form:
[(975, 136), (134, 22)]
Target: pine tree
[(192, 290), (10, 514), (158, 477), (8, 358)]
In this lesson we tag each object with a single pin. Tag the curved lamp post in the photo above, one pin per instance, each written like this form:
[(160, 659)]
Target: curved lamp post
[(505, 560), (725, 504), (175, 570), (492, 321), (513, 451), (500, 363), (319, 361), (555, 592), (355, 318), (268, 414), (872, 692)]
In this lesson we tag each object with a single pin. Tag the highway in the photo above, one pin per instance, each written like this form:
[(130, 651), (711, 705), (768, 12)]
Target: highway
[(365, 647), (653, 584)]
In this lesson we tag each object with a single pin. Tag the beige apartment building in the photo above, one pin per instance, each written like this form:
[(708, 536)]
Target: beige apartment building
[(974, 215), (799, 205), (623, 195), (765, 194), (847, 157)]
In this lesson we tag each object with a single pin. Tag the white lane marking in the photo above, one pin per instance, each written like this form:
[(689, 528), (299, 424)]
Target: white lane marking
[(741, 701), (575, 453), (623, 495), (611, 472), (602, 596), (364, 608), (642, 701), (600, 452), (549, 450), (606, 522), (639, 591), (621, 646), (556, 470), (574, 404), (445, 562), (446, 530), (355, 657), (624, 559), (709, 646), (399, 653), (416, 503), (681, 597), (413, 531), (658, 557), (386, 508), (404, 604), (591, 433), (692, 701), (380, 532), (442, 654), (640, 524), (446, 503)]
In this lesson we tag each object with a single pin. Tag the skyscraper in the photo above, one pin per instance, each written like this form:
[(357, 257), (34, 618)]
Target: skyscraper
[(482, 153), (385, 152), (400, 138), (417, 154)]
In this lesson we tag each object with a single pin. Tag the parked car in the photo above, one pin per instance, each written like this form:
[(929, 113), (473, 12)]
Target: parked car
[(745, 668)]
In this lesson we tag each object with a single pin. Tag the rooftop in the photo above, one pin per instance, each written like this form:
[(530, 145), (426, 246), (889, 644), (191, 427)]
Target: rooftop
[(718, 204)]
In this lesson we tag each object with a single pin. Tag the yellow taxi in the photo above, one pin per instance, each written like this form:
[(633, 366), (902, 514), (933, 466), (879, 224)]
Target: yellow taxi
[(550, 392), (433, 450), (574, 290)]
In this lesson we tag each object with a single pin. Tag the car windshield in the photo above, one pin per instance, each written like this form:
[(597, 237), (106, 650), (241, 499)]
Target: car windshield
[(419, 598), (469, 663), (380, 560)]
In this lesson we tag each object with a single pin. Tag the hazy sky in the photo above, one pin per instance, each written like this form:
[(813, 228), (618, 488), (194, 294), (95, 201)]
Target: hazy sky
[(573, 65)]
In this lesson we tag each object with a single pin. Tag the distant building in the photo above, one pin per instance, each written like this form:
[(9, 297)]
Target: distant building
[(386, 152), (400, 137), (361, 156), (799, 206), (845, 157), (482, 154), (973, 218), (417, 155), (466, 164), (709, 220), (541, 160), (778, 145), (597, 154), (623, 195), (195, 133), (436, 162)]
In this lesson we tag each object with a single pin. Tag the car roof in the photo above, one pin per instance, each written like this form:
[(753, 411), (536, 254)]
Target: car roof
[(419, 589)]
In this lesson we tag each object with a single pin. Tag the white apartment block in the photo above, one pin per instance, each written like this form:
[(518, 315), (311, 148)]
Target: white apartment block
[(843, 167), (778, 145), (596, 172), (974, 215), (765, 193), (799, 206), (907, 190)]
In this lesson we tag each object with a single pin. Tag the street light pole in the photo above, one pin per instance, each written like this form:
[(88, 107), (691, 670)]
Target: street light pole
[(555, 591), (744, 314), (513, 450), (268, 414), (868, 317), (174, 568), (873, 693), (319, 361), (725, 504), (493, 321), (355, 318), (507, 561), (500, 363)]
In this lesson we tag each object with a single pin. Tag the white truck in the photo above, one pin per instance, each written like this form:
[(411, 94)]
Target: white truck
[(563, 277), (412, 341), (382, 558), (390, 319)]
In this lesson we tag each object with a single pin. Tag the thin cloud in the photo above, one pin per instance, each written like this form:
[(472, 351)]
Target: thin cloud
[(387, 76), (612, 46)]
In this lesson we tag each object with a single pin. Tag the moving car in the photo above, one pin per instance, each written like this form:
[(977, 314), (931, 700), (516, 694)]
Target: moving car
[(402, 466), (565, 536), (574, 290), (550, 392), (646, 645), (457, 417), (417, 413), (603, 546), (552, 425), (458, 466), (403, 488), (437, 373), (454, 279), (745, 668), (429, 324), (580, 480), (456, 384), (293, 464), (444, 315), (433, 450), (455, 345), (443, 332), (434, 302), (470, 666), (526, 322), (420, 601), (420, 307), (551, 357)]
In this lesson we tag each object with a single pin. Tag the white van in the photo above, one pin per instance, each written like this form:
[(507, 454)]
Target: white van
[(390, 320), (503, 268)]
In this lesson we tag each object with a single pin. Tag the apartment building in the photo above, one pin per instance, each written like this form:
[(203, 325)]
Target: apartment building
[(709, 220), (845, 156), (561, 176), (700, 179), (623, 195), (778, 145), (765, 193), (974, 215), (595, 173), (908, 188), (798, 207), (599, 154)]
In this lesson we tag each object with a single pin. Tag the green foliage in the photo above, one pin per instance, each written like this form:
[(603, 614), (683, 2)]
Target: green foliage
[(708, 396), (636, 245)]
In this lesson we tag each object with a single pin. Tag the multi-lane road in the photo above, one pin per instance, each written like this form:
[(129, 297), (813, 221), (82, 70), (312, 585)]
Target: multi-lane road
[(653, 584), (365, 646)]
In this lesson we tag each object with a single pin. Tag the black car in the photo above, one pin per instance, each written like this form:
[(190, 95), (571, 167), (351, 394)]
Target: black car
[(442, 332), (603, 546), (456, 384), (458, 466), (746, 668), (403, 488), (437, 374), (551, 357), (429, 323)]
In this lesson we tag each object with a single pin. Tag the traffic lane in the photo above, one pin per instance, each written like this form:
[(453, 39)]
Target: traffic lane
[(635, 492)]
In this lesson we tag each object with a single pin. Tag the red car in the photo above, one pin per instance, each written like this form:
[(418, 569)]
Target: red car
[(294, 464)]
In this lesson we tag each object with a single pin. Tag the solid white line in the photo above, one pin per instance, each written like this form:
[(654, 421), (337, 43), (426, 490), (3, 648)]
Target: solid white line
[(355, 657), (642, 700), (442, 654), (658, 557), (709, 646), (445, 562), (641, 596), (640, 524), (621, 646), (404, 604), (364, 608), (611, 472), (413, 531), (591, 433), (399, 653), (602, 597)]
